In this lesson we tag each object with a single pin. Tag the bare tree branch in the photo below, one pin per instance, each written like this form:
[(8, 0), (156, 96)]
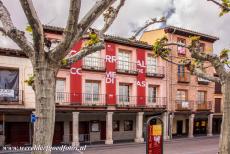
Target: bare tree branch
[(84, 52), (100, 6), (16, 35), (110, 15), (198, 72), (35, 24), (220, 4), (213, 59), (147, 24)]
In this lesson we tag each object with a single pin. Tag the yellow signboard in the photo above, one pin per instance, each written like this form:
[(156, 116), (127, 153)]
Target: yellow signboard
[(156, 130)]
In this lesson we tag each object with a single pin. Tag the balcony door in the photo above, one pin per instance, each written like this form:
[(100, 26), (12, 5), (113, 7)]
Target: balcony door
[(152, 94), (151, 64), (124, 58), (91, 91), (60, 90), (124, 92), (182, 99)]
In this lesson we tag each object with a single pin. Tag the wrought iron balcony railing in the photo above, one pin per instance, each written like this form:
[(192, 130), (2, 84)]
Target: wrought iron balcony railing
[(155, 71), (184, 105), (203, 105), (83, 99), (126, 67), (157, 102), (93, 63)]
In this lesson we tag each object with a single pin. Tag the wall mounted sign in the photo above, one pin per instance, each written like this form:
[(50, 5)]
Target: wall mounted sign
[(154, 137)]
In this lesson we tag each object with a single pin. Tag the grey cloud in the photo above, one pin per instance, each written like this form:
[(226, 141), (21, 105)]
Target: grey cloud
[(198, 15)]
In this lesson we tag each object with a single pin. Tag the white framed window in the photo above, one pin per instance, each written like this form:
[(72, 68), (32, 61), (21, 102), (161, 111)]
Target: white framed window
[(152, 94), (124, 90), (92, 89), (151, 64), (60, 90), (124, 58)]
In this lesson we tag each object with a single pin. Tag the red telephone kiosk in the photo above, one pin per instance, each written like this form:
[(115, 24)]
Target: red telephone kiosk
[(154, 136)]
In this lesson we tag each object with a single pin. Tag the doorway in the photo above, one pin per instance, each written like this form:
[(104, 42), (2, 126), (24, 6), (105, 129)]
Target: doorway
[(179, 127), (103, 130)]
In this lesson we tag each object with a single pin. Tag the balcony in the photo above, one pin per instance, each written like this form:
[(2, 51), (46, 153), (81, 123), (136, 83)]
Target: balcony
[(126, 101), (183, 105), (183, 77), (126, 67), (80, 99), (202, 106), (11, 97), (155, 71), (157, 102), (202, 81), (93, 64)]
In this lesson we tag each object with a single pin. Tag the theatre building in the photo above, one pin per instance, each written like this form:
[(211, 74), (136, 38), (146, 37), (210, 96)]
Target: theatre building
[(191, 104), (106, 97)]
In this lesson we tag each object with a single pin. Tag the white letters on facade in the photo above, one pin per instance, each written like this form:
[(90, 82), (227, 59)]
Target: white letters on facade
[(75, 71), (110, 76)]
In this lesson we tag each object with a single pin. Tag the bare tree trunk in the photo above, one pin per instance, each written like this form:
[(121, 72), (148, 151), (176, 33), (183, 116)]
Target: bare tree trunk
[(45, 86), (224, 145)]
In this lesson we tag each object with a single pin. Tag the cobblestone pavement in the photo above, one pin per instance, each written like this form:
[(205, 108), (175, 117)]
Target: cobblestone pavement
[(201, 145)]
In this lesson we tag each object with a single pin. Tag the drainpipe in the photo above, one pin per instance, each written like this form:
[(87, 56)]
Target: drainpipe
[(171, 92)]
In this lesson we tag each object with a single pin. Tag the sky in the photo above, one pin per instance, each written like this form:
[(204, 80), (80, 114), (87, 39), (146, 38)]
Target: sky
[(198, 15)]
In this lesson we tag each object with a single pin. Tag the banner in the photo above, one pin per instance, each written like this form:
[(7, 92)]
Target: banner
[(6, 93)]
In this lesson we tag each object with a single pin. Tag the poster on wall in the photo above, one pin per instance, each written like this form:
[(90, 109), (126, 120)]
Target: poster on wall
[(95, 126)]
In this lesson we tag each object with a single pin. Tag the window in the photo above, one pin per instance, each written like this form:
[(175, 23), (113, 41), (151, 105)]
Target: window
[(124, 60), (181, 50), (201, 96), (202, 47), (93, 60), (183, 75), (181, 95), (9, 85), (116, 125), (124, 93), (92, 91), (152, 93), (151, 64), (60, 90), (128, 125)]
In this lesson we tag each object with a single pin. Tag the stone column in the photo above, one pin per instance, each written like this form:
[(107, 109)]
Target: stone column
[(139, 127), (210, 120), (191, 125), (66, 132), (75, 129), (109, 128), (171, 118), (165, 120)]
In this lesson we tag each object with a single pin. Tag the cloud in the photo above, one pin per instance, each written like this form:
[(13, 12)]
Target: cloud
[(199, 15)]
